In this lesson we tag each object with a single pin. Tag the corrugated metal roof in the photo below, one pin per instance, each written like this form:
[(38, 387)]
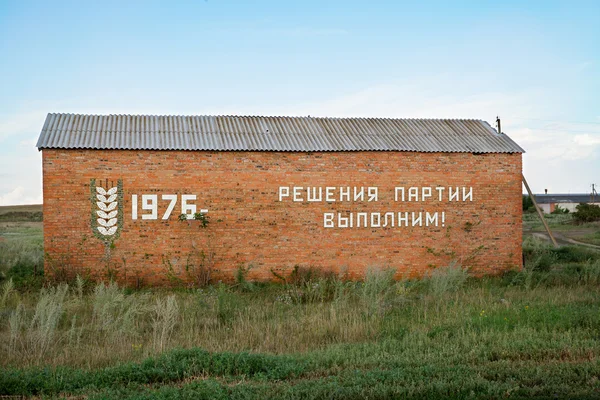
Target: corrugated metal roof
[(248, 133), (565, 198)]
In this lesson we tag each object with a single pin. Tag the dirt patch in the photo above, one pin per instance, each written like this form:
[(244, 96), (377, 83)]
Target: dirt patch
[(562, 240)]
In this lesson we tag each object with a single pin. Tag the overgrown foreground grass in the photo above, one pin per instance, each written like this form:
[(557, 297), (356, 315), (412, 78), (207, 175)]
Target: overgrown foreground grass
[(21, 251), (528, 334)]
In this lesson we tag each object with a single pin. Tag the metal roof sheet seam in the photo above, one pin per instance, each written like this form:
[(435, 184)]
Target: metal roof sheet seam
[(255, 133)]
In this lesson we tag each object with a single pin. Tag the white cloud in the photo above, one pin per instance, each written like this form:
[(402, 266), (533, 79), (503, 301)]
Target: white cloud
[(563, 141), (558, 159), (433, 98), (20, 179), (19, 195), (560, 156), (587, 139)]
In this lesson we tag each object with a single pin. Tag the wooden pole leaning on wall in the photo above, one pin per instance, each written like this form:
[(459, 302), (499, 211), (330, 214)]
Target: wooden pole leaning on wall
[(539, 211)]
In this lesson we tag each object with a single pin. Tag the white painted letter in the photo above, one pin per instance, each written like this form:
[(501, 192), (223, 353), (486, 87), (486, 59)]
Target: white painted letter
[(375, 224), (188, 209), (149, 202), (452, 196), (343, 222), (413, 194), (284, 191), (402, 219), (362, 215), (297, 193), (419, 220), (134, 204), (329, 194), (328, 220), (440, 190), (359, 195), (173, 198), (388, 215), (425, 193), (373, 193), (469, 195), (345, 195), (401, 189), (431, 219), (314, 197)]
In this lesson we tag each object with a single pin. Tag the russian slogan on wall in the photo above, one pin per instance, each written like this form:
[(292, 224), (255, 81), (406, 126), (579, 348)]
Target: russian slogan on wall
[(370, 194)]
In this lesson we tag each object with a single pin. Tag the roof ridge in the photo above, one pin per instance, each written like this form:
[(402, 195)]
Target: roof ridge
[(262, 116)]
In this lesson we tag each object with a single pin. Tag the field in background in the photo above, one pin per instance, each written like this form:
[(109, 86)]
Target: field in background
[(530, 333), (21, 244), (28, 208), (24, 213), (563, 228)]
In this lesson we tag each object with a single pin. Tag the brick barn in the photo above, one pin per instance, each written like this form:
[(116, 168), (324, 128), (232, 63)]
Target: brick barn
[(163, 199)]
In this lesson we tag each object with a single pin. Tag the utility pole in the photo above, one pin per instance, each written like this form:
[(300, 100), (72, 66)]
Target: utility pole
[(539, 211)]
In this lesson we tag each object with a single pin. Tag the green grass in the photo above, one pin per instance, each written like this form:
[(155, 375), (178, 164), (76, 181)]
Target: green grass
[(415, 366), (21, 252), (21, 213), (562, 222), (527, 334), (28, 232), (592, 238), (29, 208)]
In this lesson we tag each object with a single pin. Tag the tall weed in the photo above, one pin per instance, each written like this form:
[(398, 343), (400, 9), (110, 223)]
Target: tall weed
[(164, 317), (228, 305), (447, 279), (307, 285), (115, 313), (33, 338), (377, 289), (8, 288)]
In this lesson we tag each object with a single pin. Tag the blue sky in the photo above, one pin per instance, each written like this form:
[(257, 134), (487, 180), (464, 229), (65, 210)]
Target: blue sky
[(536, 64)]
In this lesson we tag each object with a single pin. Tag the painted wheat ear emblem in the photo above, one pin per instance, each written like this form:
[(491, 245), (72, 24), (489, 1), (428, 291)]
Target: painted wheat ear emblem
[(107, 212)]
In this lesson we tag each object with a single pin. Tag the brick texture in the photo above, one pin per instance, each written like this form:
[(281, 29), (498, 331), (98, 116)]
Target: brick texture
[(249, 226)]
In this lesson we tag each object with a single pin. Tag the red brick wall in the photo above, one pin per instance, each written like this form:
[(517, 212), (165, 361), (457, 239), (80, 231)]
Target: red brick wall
[(249, 226)]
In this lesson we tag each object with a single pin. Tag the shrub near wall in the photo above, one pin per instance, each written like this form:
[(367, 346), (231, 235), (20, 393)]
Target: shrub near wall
[(587, 213)]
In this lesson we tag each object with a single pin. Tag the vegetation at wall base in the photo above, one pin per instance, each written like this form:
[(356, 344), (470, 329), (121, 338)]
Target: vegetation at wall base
[(313, 334), (526, 334)]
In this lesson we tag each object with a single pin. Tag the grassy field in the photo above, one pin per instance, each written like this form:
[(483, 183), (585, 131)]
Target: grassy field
[(591, 238), (21, 243), (32, 213), (28, 208), (528, 334), (563, 226)]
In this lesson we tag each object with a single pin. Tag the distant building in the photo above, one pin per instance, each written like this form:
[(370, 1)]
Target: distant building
[(549, 202)]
